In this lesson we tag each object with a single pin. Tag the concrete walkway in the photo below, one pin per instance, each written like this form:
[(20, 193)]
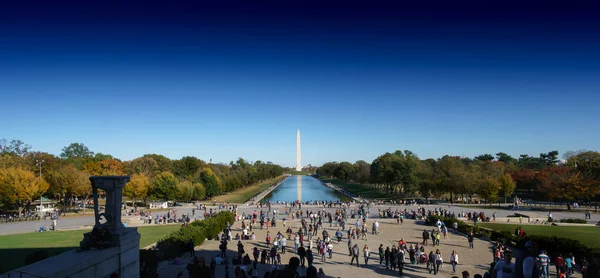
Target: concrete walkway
[(474, 260)]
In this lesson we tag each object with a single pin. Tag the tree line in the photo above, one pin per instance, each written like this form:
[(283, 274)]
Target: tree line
[(153, 176), (488, 176)]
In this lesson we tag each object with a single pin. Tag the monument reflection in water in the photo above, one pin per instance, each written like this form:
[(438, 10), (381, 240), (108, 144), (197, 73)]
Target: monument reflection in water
[(304, 188)]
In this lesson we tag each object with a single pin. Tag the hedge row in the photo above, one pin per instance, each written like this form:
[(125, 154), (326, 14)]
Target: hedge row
[(573, 220), (553, 245), (175, 243)]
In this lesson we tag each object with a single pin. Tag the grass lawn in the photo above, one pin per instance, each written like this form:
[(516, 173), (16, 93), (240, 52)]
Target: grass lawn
[(361, 189), (587, 235), (14, 248), (242, 195)]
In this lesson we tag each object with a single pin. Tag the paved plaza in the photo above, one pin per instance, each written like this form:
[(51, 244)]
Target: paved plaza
[(474, 260)]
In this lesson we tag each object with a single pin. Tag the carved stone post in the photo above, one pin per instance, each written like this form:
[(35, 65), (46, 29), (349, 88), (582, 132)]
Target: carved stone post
[(113, 187)]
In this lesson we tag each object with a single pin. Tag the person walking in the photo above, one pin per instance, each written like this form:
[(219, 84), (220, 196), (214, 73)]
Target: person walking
[(454, 261), (355, 253), (430, 262), (366, 254), (330, 250), (438, 261), (296, 242), (542, 260), (283, 243), (350, 246)]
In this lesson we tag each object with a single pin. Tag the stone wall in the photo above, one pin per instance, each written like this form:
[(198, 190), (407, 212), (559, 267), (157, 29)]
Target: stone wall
[(123, 259)]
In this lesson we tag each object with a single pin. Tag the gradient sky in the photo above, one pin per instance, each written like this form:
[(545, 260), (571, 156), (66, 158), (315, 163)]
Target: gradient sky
[(232, 80)]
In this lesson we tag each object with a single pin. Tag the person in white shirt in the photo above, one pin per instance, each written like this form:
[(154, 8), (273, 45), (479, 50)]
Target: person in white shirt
[(454, 260), (505, 268), (376, 227)]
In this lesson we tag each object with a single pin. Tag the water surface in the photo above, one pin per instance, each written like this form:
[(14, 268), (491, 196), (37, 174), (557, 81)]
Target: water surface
[(303, 188)]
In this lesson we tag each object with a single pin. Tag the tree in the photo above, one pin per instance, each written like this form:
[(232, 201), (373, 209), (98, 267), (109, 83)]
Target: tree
[(507, 185), (76, 150), (165, 186), (485, 157), (14, 147), (550, 158), (164, 163), (363, 171), (138, 187), (199, 191), (453, 174), (211, 182), (66, 181), (345, 171), (503, 157), (109, 167), (185, 191), (187, 167), (19, 187), (144, 165), (489, 189)]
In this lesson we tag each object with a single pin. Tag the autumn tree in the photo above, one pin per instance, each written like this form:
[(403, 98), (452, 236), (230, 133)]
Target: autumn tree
[(558, 183), (137, 188), (19, 187), (109, 167), (507, 185)]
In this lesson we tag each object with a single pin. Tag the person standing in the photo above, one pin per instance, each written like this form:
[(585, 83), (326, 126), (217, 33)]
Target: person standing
[(283, 244), (302, 254), (381, 254), (425, 237), (471, 238), (387, 257), (366, 254), (454, 261)]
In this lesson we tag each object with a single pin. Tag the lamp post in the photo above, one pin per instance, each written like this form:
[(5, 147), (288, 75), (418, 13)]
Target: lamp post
[(39, 162)]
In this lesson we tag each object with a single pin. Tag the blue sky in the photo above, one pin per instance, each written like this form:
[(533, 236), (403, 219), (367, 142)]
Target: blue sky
[(225, 81)]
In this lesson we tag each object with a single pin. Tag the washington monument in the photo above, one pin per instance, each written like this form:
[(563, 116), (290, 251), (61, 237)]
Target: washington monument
[(298, 153)]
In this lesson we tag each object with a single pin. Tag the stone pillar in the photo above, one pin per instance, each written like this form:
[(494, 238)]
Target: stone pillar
[(113, 187), (125, 242)]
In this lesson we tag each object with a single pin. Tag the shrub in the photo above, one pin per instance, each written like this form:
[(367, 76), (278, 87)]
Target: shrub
[(36, 256), (148, 263), (176, 243), (573, 220)]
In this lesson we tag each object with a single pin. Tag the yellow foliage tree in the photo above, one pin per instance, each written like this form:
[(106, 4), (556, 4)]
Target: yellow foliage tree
[(137, 187), (19, 186)]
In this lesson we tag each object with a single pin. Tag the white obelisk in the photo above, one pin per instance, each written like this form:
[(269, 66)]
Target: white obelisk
[(298, 153)]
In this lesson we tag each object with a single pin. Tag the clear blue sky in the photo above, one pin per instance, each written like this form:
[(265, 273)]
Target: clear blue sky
[(219, 82)]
